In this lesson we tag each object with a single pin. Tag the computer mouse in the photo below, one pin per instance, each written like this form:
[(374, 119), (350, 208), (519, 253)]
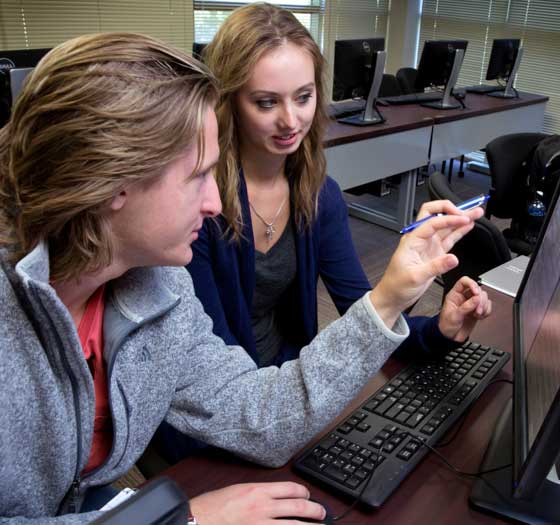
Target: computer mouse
[(327, 520)]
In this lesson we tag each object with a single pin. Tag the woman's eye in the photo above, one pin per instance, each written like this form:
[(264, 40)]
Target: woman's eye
[(265, 103), (304, 98)]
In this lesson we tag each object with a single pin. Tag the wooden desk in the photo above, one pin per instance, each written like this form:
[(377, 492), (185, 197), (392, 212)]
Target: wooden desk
[(431, 494), (458, 132), (414, 136)]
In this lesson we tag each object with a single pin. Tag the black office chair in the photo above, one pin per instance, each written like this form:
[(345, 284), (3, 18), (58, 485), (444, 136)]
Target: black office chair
[(389, 86), (482, 249), (406, 77), (508, 157)]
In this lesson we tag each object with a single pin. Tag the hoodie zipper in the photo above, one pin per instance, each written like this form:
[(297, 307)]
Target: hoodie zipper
[(74, 491)]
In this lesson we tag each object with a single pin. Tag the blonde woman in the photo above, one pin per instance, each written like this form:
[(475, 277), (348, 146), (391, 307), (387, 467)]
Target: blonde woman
[(284, 222)]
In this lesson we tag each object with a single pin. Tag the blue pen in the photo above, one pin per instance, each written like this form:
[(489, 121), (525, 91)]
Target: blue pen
[(464, 206)]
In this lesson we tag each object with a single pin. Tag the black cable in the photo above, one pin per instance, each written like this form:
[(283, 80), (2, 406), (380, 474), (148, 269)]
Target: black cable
[(462, 472), (467, 412), (441, 456)]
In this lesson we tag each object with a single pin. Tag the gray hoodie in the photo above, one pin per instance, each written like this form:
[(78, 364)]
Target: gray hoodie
[(163, 362)]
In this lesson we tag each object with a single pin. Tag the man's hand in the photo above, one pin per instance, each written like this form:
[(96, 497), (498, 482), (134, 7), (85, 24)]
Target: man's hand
[(464, 305), (255, 504), (420, 256)]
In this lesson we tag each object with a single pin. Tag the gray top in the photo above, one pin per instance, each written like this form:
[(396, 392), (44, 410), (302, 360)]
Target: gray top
[(163, 362), (275, 271)]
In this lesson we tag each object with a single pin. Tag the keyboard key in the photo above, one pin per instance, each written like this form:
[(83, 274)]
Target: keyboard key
[(428, 429), (357, 461), (355, 449), (414, 419), (377, 443), (361, 474), (342, 443), (335, 473), (329, 442), (353, 482), (383, 407), (363, 427), (388, 447), (345, 429), (394, 410), (404, 454), (371, 405)]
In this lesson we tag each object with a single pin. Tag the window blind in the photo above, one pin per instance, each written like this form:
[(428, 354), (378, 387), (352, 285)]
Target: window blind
[(209, 15), (535, 22), (37, 23)]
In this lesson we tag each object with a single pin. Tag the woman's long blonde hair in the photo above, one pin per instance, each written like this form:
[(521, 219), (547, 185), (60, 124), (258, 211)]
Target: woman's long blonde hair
[(246, 35), (97, 112)]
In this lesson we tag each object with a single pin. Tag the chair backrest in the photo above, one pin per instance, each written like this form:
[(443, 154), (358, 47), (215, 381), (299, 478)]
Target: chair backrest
[(508, 158), (406, 77), (389, 86), (482, 249)]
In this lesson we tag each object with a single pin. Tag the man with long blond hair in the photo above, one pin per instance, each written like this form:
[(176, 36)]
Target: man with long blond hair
[(106, 175)]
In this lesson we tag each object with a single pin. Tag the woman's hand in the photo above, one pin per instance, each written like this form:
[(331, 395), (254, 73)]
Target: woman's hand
[(255, 504), (464, 305), (420, 256)]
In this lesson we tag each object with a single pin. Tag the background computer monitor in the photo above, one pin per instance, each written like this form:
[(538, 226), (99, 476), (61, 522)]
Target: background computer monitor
[(436, 62), (23, 58), (502, 58), (197, 49), (526, 490), (353, 67)]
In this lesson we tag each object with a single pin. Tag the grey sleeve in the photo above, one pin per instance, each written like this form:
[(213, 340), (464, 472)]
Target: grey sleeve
[(267, 414), (67, 519)]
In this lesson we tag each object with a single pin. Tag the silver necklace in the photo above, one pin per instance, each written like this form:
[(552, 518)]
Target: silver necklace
[(270, 231)]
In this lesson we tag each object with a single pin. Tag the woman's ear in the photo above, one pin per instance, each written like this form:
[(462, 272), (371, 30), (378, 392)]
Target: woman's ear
[(119, 200)]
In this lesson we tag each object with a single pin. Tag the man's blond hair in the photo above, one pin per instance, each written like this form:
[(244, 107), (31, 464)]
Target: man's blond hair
[(97, 112)]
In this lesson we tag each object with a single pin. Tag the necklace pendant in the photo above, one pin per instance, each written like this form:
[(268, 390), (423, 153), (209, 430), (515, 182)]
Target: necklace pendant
[(269, 232)]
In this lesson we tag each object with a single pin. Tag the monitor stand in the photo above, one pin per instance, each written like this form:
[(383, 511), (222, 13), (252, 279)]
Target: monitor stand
[(446, 102), (495, 496), (371, 114), (509, 91)]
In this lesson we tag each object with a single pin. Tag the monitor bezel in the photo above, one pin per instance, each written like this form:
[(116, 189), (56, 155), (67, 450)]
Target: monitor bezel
[(424, 64), (352, 45), (497, 46), (531, 465)]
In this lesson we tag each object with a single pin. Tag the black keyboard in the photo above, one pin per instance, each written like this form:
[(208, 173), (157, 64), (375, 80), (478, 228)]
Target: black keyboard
[(413, 98), (346, 108), (483, 88), (381, 442)]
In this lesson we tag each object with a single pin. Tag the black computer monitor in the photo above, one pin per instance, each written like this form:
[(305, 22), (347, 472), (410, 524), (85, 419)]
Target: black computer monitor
[(502, 58), (16, 59), (197, 49), (527, 437), (354, 67), (436, 63)]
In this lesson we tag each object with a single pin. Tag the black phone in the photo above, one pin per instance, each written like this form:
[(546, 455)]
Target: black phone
[(160, 502)]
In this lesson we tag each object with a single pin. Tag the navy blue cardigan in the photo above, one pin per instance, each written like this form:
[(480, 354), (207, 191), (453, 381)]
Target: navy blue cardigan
[(223, 272), (224, 279)]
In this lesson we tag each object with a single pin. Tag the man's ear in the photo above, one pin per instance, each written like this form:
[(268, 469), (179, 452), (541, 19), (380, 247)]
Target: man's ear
[(119, 200)]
